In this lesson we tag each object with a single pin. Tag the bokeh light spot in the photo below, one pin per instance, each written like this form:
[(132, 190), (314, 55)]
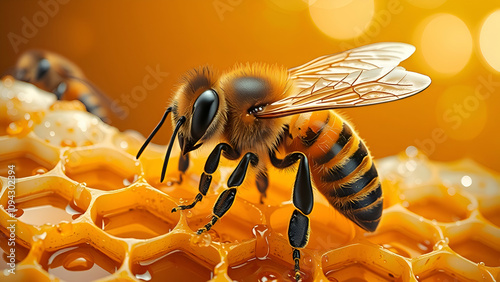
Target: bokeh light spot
[(461, 112), (489, 40), (446, 43), (344, 19), (466, 181)]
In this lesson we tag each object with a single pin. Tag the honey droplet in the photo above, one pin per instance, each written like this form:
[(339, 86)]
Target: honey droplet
[(39, 170), (268, 276), (202, 240), (68, 143), (146, 276), (8, 81), (78, 262), (261, 233)]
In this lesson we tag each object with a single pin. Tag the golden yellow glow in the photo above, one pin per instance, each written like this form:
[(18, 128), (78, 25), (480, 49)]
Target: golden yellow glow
[(291, 5), (427, 4), (446, 43), (489, 40), (344, 19), (462, 112)]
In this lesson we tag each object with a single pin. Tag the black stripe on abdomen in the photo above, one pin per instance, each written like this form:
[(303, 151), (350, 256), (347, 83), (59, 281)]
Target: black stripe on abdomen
[(356, 186), (339, 172), (344, 137), (369, 199)]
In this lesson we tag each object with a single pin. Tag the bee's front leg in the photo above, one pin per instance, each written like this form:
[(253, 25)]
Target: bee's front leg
[(211, 166), (226, 198)]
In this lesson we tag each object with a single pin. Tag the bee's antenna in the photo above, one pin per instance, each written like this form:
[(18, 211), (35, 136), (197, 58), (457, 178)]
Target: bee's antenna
[(180, 122), (154, 132)]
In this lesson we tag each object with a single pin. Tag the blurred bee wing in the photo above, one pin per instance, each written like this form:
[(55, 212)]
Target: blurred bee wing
[(360, 88), (95, 90), (377, 55)]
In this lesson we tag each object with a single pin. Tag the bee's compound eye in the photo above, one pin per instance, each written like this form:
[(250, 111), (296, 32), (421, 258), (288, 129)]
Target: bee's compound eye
[(204, 110), (42, 69)]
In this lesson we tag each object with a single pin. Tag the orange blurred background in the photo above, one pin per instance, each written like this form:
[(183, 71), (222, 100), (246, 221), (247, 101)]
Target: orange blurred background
[(119, 43)]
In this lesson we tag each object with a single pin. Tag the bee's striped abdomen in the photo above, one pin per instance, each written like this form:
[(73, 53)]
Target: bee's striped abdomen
[(341, 166)]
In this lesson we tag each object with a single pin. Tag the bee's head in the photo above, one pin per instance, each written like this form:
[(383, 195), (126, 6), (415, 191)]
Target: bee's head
[(198, 113), (203, 119)]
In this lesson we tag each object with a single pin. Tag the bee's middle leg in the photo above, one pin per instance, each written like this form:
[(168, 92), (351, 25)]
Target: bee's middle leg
[(226, 198), (211, 166), (303, 201)]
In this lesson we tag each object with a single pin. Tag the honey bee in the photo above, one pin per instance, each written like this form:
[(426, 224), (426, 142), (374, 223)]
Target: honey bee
[(255, 110), (54, 73)]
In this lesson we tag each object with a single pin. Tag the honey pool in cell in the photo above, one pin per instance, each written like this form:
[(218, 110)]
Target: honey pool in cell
[(136, 223), (26, 164), (46, 208), (78, 263), (401, 243), (176, 265), (101, 177)]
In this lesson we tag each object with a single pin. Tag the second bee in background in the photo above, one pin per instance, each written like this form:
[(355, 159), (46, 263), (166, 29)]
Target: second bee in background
[(54, 73)]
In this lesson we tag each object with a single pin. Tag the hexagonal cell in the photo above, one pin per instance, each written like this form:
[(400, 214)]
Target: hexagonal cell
[(139, 213), (476, 241), (82, 262), (490, 209), (235, 226), (328, 228), (174, 258), (364, 263), (176, 184), (439, 203), (185, 190), (404, 234), (71, 129), (30, 157), (47, 200), (8, 257), (102, 168), (445, 266)]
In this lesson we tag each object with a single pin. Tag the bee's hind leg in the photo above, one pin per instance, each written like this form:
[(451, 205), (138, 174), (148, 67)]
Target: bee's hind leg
[(303, 200), (226, 198), (211, 166)]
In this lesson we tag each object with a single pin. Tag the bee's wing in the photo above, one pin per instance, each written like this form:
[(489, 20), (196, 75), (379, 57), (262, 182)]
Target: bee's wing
[(359, 88), (377, 55)]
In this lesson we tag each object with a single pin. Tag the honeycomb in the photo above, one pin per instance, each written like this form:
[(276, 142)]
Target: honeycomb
[(86, 209)]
